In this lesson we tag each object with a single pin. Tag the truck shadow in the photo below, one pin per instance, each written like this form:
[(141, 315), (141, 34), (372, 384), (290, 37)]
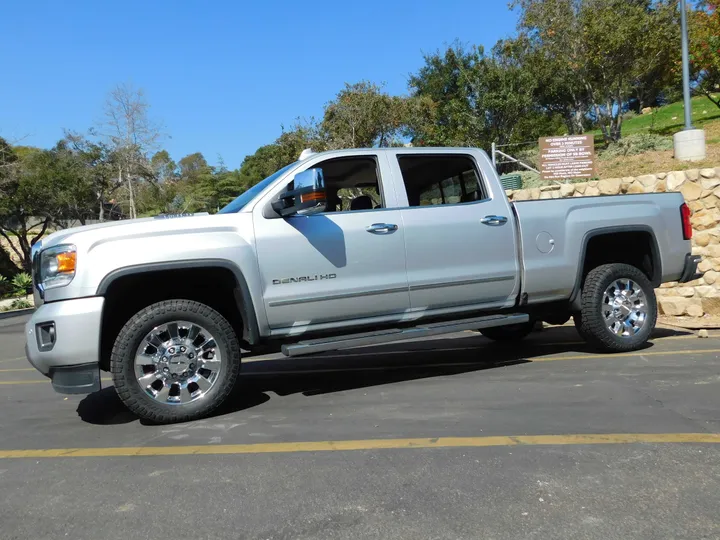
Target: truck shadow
[(367, 367)]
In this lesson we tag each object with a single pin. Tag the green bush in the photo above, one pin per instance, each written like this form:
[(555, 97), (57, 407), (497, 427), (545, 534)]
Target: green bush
[(637, 143), (22, 284), (20, 303)]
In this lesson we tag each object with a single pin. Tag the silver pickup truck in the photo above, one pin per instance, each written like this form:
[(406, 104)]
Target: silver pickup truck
[(337, 250)]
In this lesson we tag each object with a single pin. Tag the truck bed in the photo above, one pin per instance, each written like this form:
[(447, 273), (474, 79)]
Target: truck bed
[(553, 237)]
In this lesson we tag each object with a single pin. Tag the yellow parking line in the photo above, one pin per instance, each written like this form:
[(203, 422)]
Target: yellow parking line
[(17, 369), (626, 355), (7, 361), (371, 444)]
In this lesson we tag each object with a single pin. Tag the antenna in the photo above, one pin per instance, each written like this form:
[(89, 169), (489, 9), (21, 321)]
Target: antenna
[(306, 153)]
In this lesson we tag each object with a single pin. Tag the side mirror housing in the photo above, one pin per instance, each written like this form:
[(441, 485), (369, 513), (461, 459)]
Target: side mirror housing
[(306, 197)]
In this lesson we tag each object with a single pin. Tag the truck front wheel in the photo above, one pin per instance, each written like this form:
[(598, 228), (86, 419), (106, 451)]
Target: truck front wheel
[(619, 308), (175, 361)]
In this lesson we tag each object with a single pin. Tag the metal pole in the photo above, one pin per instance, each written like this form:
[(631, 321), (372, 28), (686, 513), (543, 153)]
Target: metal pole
[(686, 65), (493, 157)]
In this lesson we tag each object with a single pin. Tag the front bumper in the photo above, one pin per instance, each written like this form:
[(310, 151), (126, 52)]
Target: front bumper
[(690, 271), (63, 343)]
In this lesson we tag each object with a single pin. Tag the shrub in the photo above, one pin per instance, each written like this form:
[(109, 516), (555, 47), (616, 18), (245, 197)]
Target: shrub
[(20, 303), (22, 283), (637, 143)]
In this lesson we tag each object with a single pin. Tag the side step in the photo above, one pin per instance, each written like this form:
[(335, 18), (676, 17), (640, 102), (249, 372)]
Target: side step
[(397, 334)]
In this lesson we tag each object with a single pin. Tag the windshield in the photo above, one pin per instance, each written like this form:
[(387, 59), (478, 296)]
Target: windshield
[(247, 196)]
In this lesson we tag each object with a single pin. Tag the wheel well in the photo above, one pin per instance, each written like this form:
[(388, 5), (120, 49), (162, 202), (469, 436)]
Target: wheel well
[(636, 248), (126, 295)]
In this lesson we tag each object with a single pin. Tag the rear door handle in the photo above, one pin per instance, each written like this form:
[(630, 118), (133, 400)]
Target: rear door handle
[(494, 221), (381, 228)]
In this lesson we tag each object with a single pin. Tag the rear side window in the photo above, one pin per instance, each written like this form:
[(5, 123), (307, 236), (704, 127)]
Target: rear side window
[(432, 180)]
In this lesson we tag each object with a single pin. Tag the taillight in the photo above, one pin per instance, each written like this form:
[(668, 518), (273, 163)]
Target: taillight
[(686, 225)]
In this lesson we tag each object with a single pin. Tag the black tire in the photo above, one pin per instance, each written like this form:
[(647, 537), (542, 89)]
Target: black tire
[(122, 361), (591, 321), (515, 332), (577, 319)]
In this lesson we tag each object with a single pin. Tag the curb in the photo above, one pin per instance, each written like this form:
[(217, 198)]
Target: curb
[(15, 313)]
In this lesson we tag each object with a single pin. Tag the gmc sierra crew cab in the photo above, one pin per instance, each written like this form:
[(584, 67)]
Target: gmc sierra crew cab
[(337, 250)]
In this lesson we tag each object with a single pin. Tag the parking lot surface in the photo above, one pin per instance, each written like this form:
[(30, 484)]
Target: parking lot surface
[(447, 438)]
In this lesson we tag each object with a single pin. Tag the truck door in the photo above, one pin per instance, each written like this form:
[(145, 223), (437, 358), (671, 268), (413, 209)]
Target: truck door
[(345, 264), (460, 237)]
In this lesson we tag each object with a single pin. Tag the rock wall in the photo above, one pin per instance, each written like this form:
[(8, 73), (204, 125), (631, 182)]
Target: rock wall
[(701, 189)]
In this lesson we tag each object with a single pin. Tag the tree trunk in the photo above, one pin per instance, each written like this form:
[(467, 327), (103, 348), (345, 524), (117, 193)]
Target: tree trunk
[(133, 213), (617, 119), (601, 121), (577, 122)]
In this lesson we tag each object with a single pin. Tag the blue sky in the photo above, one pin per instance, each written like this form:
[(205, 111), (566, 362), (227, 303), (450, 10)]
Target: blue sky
[(222, 76)]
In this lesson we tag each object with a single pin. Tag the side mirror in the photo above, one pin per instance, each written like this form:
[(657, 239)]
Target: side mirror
[(306, 197)]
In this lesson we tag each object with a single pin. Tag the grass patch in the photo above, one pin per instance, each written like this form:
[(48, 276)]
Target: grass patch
[(669, 119)]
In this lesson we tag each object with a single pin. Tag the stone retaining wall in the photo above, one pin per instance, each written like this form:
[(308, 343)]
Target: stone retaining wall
[(701, 189)]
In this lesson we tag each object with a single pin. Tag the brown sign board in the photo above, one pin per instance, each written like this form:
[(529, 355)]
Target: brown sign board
[(567, 157)]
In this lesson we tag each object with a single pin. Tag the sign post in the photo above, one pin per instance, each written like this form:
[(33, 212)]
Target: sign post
[(562, 158)]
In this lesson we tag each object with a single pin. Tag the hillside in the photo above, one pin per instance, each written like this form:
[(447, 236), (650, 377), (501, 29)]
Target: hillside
[(653, 153), (669, 119)]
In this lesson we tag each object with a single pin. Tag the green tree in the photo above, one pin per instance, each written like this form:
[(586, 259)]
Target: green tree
[(30, 198), (163, 166), (478, 98), (193, 166), (610, 51), (363, 116), (285, 150), (218, 188), (443, 82), (705, 50), (99, 169)]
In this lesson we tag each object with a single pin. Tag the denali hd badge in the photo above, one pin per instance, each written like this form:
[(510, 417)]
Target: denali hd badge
[(302, 279)]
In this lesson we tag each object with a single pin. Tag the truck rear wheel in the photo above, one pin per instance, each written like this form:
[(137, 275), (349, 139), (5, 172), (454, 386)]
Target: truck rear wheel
[(619, 308), (175, 361), (514, 332)]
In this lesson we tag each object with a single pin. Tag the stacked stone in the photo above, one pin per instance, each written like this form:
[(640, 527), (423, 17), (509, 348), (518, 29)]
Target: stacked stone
[(701, 190)]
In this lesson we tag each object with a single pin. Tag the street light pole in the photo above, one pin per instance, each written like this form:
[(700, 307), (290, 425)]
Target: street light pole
[(689, 143), (686, 65)]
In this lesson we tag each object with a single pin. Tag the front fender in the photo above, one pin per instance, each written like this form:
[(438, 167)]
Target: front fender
[(220, 240)]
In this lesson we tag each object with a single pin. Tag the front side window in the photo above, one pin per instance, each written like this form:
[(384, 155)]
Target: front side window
[(432, 180), (351, 183)]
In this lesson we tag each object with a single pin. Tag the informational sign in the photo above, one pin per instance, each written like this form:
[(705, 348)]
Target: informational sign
[(567, 157)]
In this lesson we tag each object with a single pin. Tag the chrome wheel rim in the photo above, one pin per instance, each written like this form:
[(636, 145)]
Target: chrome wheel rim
[(177, 363), (625, 307)]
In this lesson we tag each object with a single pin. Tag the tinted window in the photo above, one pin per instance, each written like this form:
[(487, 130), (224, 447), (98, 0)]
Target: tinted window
[(351, 183), (440, 179)]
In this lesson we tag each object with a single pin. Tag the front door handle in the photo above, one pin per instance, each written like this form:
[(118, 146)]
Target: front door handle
[(494, 221), (381, 228)]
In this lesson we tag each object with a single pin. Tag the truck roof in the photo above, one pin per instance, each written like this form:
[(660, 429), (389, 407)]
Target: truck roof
[(306, 154)]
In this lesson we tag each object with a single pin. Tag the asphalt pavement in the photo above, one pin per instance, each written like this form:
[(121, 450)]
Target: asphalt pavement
[(445, 438)]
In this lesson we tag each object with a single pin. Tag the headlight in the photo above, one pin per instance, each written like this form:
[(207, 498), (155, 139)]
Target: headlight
[(57, 266)]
